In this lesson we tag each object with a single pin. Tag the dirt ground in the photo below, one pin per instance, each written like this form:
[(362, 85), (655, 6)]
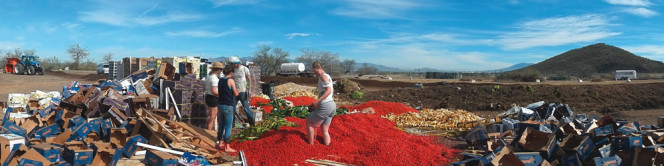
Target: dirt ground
[(640, 100), (50, 81)]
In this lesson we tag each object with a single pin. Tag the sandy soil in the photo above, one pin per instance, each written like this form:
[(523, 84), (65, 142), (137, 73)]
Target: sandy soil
[(50, 81)]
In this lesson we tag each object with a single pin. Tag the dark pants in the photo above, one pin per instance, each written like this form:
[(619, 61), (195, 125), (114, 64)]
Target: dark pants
[(242, 97)]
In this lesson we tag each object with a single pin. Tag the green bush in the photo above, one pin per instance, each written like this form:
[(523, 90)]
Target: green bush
[(520, 75), (356, 95)]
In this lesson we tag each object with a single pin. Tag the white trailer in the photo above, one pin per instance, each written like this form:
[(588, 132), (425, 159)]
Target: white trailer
[(293, 69), (625, 74)]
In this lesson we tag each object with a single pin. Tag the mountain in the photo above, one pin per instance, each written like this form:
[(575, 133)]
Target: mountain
[(593, 59), (377, 66), (513, 67)]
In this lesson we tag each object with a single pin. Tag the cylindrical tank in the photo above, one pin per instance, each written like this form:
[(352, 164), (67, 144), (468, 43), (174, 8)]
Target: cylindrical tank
[(292, 67)]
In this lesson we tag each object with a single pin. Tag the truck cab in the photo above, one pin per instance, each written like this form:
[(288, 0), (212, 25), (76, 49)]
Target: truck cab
[(102, 68)]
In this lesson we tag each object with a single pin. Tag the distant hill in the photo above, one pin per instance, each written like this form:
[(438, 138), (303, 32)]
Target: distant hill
[(513, 67), (593, 59)]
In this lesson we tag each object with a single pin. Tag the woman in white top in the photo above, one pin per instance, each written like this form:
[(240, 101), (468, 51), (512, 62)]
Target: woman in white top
[(211, 93), (324, 107)]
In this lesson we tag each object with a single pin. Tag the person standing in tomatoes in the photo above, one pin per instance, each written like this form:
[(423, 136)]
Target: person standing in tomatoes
[(211, 95), (324, 108), (227, 95)]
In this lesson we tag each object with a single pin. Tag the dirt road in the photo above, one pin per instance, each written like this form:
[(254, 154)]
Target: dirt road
[(50, 81)]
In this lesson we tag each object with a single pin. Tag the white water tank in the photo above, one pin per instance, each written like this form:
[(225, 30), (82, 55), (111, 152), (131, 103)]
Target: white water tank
[(292, 68)]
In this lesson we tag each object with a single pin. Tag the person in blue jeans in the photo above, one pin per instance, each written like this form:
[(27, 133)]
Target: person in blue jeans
[(242, 78), (227, 95)]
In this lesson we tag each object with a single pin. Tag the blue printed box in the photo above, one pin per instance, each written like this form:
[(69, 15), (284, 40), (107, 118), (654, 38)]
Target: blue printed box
[(50, 152), (130, 147), (76, 153)]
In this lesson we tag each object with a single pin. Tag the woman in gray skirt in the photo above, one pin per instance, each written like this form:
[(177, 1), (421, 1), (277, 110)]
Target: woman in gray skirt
[(324, 108)]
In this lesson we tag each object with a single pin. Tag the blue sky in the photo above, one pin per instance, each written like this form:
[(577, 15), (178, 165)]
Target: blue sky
[(443, 34)]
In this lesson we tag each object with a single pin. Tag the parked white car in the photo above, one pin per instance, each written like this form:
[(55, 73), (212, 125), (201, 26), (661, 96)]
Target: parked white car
[(102, 68)]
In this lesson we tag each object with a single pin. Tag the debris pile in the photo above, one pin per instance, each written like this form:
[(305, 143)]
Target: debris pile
[(381, 108), (438, 119), (550, 134), (152, 109), (293, 90)]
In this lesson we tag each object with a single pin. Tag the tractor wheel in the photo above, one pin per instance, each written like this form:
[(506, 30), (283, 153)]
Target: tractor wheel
[(31, 70), (40, 71), (18, 69)]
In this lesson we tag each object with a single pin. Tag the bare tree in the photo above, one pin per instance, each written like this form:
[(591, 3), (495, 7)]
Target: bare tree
[(77, 53), (328, 59), (366, 69), (108, 57), (52, 63), (348, 65), (269, 59), (16, 53)]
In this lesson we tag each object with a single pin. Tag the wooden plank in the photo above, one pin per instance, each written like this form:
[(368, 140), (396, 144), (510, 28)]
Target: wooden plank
[(325, 162)]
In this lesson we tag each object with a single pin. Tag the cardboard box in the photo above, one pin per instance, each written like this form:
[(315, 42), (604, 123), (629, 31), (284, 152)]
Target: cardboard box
[(13, 128), (505, 157), (530, 158), (22, 152), (61, 138), (603, 131), (571, 160), (582, 145), (61, 163), (121, 105), (533, 140), (118, 137), (47, 131), (76, 153), (117, 155), (46, 111), (81, 132), (606, 151), (130, 147), (258, 115), (102, 158), (75, 122), (153, 157), (50, 152), (608, 161), (7, 143), (28, 162), (626, 143)]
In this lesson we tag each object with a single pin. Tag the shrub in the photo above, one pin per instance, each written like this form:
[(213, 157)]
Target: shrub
[(524, 76), (356, 95)]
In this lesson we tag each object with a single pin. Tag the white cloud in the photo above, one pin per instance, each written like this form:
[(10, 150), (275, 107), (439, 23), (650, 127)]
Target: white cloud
[(260, 43), (137, 14), (219, 3), (411, 51), (375, 8), (643, 12), (630, 2), (202, 33), (71, 26), (293, 35), (649, 51), (557, 31), (8, 45)]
